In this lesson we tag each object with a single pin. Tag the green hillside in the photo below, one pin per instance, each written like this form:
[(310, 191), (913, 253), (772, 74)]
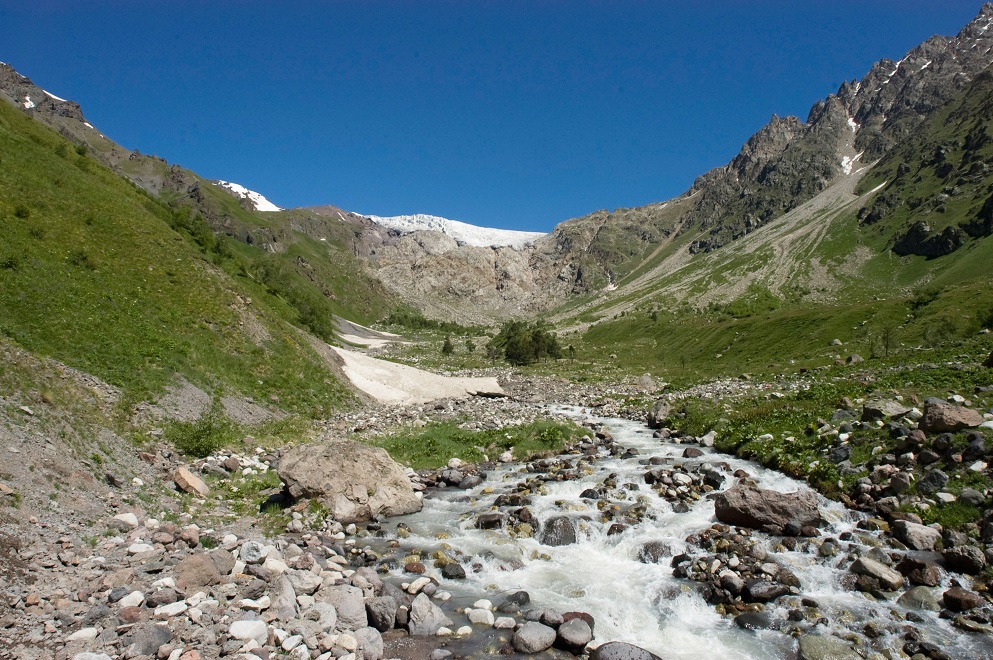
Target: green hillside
[(96, 273), (775, 300)]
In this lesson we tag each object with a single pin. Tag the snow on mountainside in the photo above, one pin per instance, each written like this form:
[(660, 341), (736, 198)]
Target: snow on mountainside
[(460, 231), (260, 202)]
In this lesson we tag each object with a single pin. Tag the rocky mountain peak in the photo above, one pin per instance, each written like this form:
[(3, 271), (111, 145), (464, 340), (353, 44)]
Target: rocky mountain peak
[(20, 91)]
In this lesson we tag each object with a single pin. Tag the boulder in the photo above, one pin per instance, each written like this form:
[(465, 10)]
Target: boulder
[(932, 482), (354, 480), (188, 482), (888, 579), (825, 647), (382, 612), (763, 591), (559, 530), (941, 417), (919, 598), (914, 536), (657, 415), (370, 642), (966, 559), (533, 637), (875, 409), (574, 635), (349, 604), (196, 571), (426, 618), (622, 651), (958, 599), (748, 506)]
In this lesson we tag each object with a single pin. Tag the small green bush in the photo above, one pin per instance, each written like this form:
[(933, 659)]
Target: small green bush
[(202, 437)]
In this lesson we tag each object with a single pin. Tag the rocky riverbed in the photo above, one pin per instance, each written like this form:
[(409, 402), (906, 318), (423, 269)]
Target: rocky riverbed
[(707, 537)]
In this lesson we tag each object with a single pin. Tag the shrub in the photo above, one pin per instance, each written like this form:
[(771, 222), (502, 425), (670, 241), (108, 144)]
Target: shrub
[(203, 437)]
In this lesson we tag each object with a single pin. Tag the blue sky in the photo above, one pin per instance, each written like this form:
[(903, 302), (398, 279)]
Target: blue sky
[(503, 113)]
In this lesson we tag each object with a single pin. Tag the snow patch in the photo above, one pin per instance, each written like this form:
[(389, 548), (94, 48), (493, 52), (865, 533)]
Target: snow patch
[(926, 65), (853, 125), (846, 162), (341, 216), (53, 96), (258, 201), (86, 123), (460, 231), (28, 103)]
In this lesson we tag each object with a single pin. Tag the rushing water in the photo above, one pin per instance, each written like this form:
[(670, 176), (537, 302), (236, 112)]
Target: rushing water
[(643, 603)]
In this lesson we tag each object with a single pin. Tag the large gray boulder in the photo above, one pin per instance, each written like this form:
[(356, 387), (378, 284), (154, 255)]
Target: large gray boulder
[(533, 637), (354, 480), (915, 536), (426, 617), (826, 647), (622, 651), (887, 578), (748, 506)]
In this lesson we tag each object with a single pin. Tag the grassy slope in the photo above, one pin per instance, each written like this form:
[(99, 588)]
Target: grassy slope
[(92, 273), (877, 302)]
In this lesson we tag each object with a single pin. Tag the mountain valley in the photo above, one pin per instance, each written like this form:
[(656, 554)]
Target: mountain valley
[(815, 315)]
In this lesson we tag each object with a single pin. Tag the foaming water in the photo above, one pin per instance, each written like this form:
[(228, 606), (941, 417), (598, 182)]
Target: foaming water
[(642, 603)]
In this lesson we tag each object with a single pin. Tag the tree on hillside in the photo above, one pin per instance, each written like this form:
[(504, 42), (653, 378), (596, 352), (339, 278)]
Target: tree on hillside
[(524, 343), (448, 347)]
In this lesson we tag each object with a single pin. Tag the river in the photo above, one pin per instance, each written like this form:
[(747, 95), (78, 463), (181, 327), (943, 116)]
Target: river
[(643, 603)]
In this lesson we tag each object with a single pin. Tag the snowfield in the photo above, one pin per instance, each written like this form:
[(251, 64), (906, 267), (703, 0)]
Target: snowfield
[(259, 201), (460, 231)]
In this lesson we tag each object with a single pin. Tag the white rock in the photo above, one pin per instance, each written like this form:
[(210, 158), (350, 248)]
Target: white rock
[(176, 653), (138, 548), (301, 652), (165, 583), (504, 622), (978, 466), (133, 599), (947, 498), (84, 634), (277, 566), (86, 655), (483, 604), (348, 642), (170, 610), (291, 642), (246, 630), (480, 616), (229, 541), (418, 584), (446, 632), (464, 631), (128, 519)]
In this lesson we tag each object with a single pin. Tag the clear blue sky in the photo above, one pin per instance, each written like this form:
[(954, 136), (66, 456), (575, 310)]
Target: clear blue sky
[(501, 113)]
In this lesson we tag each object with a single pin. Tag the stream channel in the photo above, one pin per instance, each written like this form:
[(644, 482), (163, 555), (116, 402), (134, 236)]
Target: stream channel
[(644, 603)]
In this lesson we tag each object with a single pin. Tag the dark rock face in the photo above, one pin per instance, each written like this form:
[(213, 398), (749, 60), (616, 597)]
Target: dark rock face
[(965, 559), (747, 506), (559, 530), (958, 599)]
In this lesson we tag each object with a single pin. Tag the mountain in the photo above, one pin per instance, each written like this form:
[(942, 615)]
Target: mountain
[(786, 169), (462, 232), (880, 191), (257, 200)]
